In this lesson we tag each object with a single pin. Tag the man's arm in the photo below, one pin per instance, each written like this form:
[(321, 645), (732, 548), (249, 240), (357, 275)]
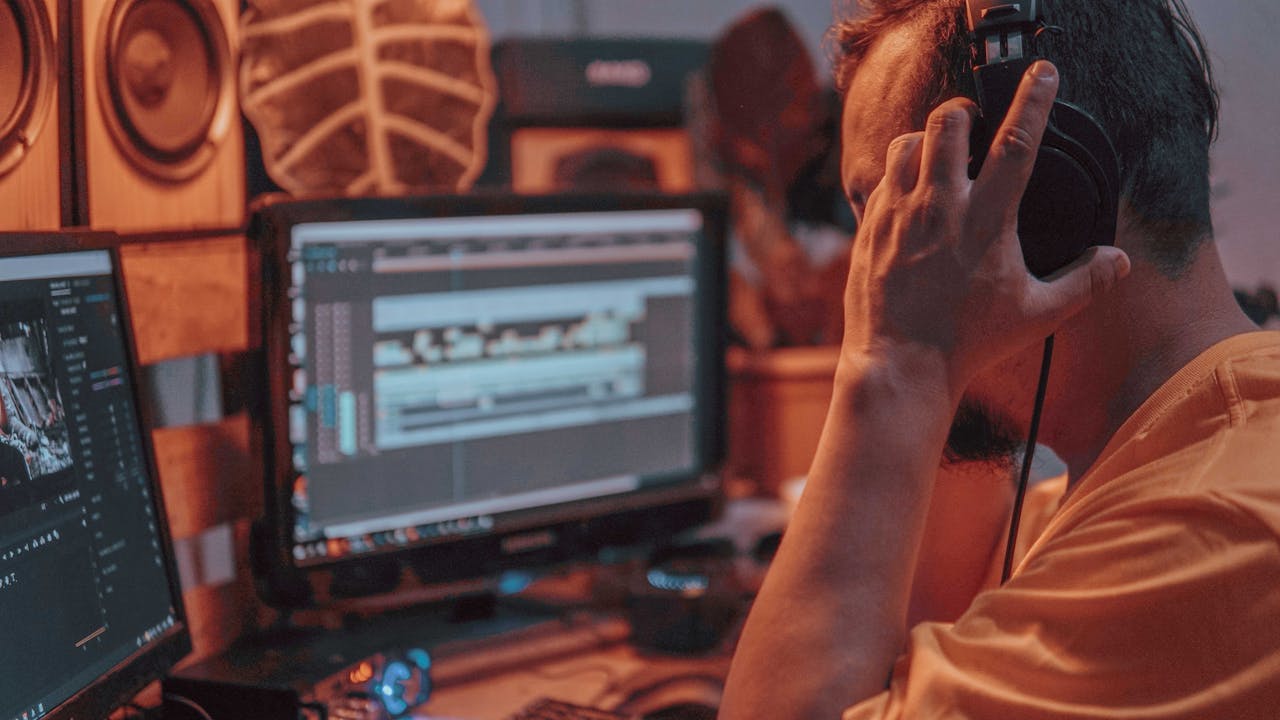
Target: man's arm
[(831, 616), (937, 291)]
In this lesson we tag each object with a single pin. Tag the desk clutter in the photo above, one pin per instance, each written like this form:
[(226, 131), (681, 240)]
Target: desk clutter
[(480, 669), (635, 636)]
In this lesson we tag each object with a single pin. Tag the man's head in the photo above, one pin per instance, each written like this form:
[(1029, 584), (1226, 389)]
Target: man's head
[(1135, 65), (1138, 66)]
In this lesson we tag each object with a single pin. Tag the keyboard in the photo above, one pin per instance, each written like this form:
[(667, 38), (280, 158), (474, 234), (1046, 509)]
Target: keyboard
[(549, 709)]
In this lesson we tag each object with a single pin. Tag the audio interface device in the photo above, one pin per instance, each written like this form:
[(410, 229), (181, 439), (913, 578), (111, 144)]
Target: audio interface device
[(379, 687)]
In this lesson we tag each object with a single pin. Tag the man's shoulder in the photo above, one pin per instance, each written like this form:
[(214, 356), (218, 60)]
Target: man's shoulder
[(1251, 383), (1231, 482), (1239, 463), (1212, 439), (1190, 502)]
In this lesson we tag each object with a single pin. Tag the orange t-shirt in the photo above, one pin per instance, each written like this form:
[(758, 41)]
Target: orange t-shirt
[(1152, 592)]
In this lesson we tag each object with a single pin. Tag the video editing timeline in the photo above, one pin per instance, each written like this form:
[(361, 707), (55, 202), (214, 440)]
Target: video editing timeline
[(82, 578), (449, 370)]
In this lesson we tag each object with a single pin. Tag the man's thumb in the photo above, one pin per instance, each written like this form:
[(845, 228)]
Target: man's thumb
[(1069, 290)]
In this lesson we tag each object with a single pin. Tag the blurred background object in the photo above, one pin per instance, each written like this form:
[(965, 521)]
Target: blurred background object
[(777, 404), (775, 131), (775, 128), (360, 98), (593, 115), (1260, 305)]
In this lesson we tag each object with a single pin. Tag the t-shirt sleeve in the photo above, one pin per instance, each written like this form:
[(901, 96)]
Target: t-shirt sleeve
[(1158, 610)]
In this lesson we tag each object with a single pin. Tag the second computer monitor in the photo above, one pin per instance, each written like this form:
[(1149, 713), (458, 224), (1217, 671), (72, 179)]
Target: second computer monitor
[(500, 369)]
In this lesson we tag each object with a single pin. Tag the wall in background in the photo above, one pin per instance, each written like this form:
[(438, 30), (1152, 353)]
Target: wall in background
[(700, 19), (1242, 45), (1239, 33)]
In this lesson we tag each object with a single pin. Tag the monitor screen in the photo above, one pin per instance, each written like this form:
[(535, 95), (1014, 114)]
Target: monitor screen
[(467, 367), (87, 592)]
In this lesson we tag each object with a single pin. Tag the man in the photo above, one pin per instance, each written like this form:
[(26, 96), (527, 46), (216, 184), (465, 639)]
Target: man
[(1154, 589)]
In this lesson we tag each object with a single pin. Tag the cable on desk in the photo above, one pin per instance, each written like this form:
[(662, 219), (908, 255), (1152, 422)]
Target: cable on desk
[(133, 710), (188, 702)]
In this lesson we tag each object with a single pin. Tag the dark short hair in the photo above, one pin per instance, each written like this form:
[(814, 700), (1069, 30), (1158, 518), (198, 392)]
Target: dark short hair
[(1138, 66)]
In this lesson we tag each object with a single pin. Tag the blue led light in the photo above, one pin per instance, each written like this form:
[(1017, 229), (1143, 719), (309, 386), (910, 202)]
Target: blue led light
[(419, 657), (686, 583), (512, 582), (396, 672), (392, 690), (395, 706)]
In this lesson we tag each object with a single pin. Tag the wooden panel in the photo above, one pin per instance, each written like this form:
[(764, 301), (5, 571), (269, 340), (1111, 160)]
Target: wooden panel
[(120, 197), (187, 297), (29, 193), (209, 475), (219, 614)]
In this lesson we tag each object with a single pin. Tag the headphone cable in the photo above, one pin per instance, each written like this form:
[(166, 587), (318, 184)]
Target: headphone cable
[(1027, 456)]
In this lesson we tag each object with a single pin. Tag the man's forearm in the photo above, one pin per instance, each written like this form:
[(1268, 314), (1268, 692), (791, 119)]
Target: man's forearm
[(831, 616)]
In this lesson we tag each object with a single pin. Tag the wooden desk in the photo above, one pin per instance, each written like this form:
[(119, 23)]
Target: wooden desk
[(607, 678)]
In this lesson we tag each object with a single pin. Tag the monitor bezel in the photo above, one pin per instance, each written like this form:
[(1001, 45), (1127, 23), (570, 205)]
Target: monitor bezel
[(580, 527), (124, 680)]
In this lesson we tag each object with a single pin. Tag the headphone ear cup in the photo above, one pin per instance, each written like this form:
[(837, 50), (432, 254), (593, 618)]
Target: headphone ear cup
[(1072, 197)]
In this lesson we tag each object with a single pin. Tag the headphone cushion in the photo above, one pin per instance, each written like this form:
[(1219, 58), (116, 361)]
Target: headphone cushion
[(1072, 198)]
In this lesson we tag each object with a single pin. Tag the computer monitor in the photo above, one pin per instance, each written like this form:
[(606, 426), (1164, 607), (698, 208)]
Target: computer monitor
[(90, 603), (483, 382)]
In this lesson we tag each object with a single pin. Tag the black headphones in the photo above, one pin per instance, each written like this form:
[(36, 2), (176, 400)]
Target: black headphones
[(1072, 199)]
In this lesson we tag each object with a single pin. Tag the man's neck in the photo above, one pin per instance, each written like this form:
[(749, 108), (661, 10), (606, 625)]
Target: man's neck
[(1122, 349)]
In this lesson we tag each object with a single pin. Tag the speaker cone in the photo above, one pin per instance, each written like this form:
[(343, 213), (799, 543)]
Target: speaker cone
[(27, 71), (167, 85)]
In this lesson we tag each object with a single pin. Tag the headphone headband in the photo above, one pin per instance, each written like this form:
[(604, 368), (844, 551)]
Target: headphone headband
[(1002, 38), (1072, 196), (986, 16)]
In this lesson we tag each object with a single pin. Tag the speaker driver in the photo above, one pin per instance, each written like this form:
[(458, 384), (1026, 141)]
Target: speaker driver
[(27, 71), (167, 82)]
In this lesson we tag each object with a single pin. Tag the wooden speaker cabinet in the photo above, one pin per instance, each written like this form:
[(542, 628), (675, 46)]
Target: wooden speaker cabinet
[(30, 189), (159, 144)]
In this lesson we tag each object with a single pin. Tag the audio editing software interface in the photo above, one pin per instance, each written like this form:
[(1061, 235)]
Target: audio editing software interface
[(448, 370), (82, 577)]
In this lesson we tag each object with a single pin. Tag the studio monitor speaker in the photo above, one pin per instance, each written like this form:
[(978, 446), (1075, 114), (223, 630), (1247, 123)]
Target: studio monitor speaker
[(158, 134), (29, 120)]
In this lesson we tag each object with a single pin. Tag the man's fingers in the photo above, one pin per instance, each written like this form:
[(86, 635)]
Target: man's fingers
[(1008, 166), (945, 154), (1069, 290), (902, 163)]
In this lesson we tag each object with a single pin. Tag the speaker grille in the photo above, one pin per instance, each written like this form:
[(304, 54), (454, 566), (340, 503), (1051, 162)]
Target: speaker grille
[(28, 67), (167, 90)]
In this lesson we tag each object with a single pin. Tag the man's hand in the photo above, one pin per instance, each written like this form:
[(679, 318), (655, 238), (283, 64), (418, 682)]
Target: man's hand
[(938, 286)]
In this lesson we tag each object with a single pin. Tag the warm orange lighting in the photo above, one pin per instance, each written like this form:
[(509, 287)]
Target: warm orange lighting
[(362, 673)]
